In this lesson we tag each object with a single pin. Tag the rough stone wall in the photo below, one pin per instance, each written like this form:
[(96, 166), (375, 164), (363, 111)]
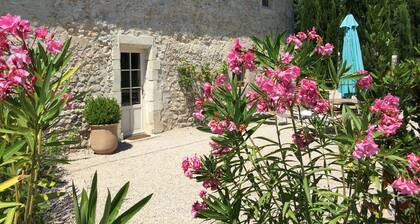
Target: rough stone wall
[(193, 30)]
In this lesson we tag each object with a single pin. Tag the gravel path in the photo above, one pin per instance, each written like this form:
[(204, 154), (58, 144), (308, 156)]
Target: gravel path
[(152, 166)]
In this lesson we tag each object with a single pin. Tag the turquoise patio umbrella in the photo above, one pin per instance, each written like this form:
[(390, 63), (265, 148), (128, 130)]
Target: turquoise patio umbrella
[(352, 54)]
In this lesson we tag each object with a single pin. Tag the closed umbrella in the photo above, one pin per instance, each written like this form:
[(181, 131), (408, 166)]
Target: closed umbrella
[(352, 54)]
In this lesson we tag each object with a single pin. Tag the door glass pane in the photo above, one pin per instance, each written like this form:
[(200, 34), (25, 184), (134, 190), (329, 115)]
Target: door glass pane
[(125, 79), (125, 97), (125, 60), (136, 96), (135, 78), (135, 60)]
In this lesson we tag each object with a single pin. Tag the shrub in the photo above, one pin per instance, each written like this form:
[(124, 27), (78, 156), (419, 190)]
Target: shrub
[(351, 167), (102, 110), (34, 90)]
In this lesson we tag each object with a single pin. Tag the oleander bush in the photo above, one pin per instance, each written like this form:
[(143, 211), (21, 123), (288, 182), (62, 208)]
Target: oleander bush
[(350, 165), (102, 110), (34, 90)]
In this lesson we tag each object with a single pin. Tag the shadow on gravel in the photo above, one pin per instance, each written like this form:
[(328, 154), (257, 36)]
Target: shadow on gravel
[(122, 146)]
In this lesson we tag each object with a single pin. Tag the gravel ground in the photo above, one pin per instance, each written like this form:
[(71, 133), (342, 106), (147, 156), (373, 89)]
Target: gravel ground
[(152, 166)]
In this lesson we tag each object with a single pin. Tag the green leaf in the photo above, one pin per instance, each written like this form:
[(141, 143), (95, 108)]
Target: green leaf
[(127, 215), (107, 210), (117, 201), (10, 216), (10, 182), (4, 205), (92, 199)]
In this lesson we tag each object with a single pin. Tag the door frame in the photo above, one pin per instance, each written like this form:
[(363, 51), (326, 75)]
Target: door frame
[(152, 95)]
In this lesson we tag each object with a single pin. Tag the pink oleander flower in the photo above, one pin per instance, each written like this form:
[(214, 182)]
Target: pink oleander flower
[(236, 46), (199, 115), (290, 73), (296, 41), (203, 194), (211, 183), (217, 149), (389, 104), (406, 187), (41, 32), (198, 102), (308, 93), (220, 79), (3, 65), (389, 124), (216, 127), (325, 50), (19, 58), (390, 116), (195, 163), (9, 23), (232, 126), (301, 140), (312, 34), (53, 46), (188, 174), (68, 97), (208, 90), (322, 106), (5, 87), (19, 76), (365, 82), (248, 59), (302, 36), (185, 164), (367, 147), (4, 42), (197, 207), (286, 58), (413, 162), (23, 29)]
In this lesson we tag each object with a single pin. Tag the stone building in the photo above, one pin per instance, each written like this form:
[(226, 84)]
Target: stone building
[(129, 49)]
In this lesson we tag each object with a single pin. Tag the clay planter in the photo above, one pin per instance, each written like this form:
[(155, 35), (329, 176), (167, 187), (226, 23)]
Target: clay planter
[(104, 138)]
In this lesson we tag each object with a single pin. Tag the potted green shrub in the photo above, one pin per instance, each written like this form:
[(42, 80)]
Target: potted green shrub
[(103, 115)]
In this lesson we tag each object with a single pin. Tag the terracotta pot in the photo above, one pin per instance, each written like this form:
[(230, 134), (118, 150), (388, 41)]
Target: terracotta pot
[(104, 138)]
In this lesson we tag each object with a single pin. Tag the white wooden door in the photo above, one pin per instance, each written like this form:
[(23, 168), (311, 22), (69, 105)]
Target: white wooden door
[(132, 77)]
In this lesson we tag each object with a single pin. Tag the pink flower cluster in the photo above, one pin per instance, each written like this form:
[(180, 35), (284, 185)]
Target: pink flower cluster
[(413, 162), (219, 127), (15, 35), (409, 187), (197, 207), (198, 109), (391, 118), (208, 89), (406, 187), (68, 98), (286, 58), (240, 58), (217, 149), (325, 50), (278, 86), (297, 40), (367, 147), (366, 81), (191, 165), (309, 97), (301, 139)]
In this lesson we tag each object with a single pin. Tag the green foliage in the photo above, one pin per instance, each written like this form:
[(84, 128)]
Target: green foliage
[(102, 110), (85, 210), (385, 27), (27, 124), (264, 180), (190, 76)]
